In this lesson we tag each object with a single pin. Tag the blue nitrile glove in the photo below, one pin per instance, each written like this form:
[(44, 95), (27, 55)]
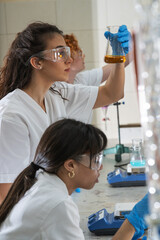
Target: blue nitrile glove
[(144, 238), (136, 217), (123, 36)]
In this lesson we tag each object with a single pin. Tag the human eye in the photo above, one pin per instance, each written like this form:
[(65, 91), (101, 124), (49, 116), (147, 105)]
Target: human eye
[(61, 54)]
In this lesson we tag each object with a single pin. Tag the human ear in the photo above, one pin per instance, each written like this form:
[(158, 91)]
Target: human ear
[(36, 63), (69, 165)]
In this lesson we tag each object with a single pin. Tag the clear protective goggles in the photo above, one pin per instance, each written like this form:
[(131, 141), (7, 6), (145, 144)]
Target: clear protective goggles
[(96, 161), (55, 55)]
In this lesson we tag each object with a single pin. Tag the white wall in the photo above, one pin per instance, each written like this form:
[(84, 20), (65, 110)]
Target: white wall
[(87, 19)]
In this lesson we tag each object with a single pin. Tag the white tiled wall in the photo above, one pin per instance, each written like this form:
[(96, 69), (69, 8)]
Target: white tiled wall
[(87, 19)]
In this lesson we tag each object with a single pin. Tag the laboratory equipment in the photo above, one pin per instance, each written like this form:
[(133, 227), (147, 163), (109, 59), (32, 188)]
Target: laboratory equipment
[(104, 223), (121, 209), (119, 149), (114, 50), (133, 176), (137, 156)]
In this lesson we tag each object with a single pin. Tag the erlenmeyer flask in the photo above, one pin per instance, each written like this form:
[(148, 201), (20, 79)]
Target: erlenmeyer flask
[(137, 158), (114, 50)]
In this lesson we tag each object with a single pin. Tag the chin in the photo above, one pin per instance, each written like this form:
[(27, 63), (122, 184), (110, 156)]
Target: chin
[(90, 187)]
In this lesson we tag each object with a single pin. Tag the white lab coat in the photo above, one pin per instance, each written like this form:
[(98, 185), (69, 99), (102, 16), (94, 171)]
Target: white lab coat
[(46, 212), (91, 77), (23, 121)]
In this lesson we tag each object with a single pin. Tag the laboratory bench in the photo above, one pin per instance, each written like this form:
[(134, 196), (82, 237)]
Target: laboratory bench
[(104, 196)]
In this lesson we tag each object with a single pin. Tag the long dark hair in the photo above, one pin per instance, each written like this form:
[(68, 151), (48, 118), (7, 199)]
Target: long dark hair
[(14, 72), (62, 140)]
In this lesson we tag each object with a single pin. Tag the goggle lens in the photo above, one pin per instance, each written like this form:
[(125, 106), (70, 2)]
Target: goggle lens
[(54, 55), (96, 161)]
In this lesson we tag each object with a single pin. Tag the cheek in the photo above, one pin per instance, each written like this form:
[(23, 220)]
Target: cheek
[(58, 73), (89, 179)]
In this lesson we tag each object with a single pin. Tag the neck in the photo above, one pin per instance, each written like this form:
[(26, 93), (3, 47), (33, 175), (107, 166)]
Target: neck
[(37, 90), (68, 181), (72, 75)]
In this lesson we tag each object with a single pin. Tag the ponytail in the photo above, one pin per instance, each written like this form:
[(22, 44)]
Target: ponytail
[(23, 183)]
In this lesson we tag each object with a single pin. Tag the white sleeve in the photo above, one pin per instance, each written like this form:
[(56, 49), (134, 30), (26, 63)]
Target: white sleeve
[(14, 149), (80, 101), (63, 223), (89, 78)]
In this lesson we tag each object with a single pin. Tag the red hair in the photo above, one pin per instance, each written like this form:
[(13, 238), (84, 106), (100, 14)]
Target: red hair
[(72, 42)]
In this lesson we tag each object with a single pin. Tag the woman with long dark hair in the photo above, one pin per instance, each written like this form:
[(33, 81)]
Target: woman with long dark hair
[(38, 205), (37, 58)]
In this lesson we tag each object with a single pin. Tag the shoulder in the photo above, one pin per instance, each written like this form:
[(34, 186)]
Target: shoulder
[(91, 77), (10, 108), (13, 107)]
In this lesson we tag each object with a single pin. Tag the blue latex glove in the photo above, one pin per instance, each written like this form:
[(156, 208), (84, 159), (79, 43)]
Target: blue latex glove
[(136, 217), (124, 38)]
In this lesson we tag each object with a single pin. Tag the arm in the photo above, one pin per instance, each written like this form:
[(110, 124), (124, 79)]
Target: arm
[(125, 232), (113, 90), (108, 68), (135, 224)]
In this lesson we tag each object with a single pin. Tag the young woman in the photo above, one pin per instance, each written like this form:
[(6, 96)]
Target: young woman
[(38, 205), (37, 58), (93, 77)]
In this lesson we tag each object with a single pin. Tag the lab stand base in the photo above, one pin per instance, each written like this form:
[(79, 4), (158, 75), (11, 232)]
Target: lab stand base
[(118, 150)]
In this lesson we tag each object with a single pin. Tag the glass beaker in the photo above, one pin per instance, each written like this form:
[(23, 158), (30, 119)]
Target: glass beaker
[(137, 158), (114, 50)]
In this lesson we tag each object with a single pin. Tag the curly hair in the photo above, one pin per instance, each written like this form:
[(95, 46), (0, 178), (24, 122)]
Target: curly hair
[(72, 42)]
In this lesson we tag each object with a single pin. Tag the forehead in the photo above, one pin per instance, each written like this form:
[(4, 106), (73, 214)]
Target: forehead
[(56, 41)]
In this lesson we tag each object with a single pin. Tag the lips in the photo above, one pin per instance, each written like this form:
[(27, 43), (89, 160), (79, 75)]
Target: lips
[(67, 70), (97, 180)]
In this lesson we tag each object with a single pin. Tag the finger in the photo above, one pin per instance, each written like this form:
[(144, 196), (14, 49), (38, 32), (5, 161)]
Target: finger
[(124, 39), (125, 45), (125, 33), (144, 238), (122, 28), (108, 34)]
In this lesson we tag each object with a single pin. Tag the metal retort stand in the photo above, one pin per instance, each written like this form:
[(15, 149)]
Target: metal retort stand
[(119, 149)]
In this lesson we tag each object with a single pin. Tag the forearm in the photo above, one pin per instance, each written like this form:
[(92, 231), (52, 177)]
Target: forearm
[(115, 85), (129, 58), (106, 71), (108, 68), (113, 90), (125, 232)]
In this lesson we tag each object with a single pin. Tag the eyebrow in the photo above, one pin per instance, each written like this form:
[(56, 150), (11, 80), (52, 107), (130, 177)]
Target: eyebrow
[(60, 46)]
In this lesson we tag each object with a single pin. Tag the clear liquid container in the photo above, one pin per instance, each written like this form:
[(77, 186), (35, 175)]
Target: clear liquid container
[(114, 50), (137, 156)]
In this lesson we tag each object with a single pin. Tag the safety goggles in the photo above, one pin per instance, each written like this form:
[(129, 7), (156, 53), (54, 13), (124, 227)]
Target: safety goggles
[(96, 161), (55, 55)]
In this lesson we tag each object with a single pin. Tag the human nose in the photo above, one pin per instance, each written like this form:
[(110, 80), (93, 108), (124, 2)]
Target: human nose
[(101, 167), (69, 60)]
